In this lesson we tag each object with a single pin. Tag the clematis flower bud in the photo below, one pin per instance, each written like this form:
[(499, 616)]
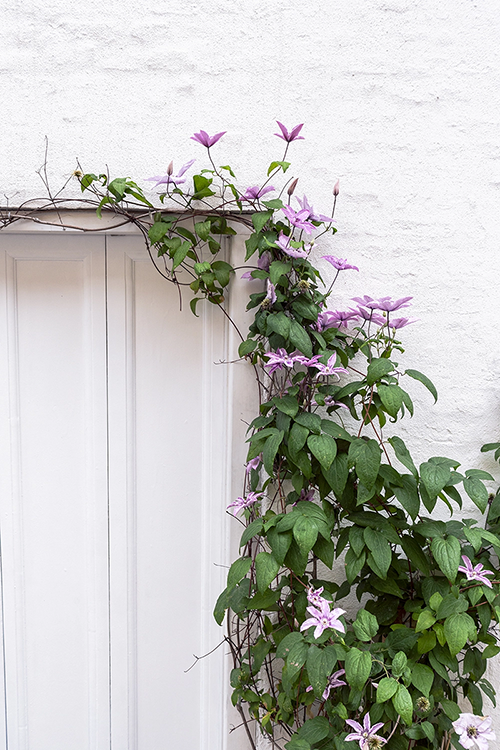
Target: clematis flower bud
[(336, 189), (170, 168), (292, 186)]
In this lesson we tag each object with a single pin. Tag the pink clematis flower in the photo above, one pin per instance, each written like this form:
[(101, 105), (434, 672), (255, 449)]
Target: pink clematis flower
[(333, 682), (280, 359), (254, 463), (283, 242), (255, 192), (171, 179), (270, 297), (293, 135), (370, 315), (339, 263), (207, 140), (335, 319), (387, 304), (329, 368), (314, 596), (245, 502), (364, 733), (322, 618), (474, 731), (401, 322), (476, 573), (298, 219), (313, 216)]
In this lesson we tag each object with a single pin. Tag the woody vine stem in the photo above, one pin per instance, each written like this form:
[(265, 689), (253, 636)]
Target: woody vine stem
[(353, 615)]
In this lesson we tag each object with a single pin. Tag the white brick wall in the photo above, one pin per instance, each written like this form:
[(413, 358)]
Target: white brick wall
[(400, 100)]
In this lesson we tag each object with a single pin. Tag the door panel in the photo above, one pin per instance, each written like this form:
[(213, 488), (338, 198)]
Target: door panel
[(113, 418)]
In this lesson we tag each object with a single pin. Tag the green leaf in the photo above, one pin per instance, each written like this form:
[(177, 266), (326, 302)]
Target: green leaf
[(279, 323), (337, 474), (311, 421), (358, 666), (306, 308), (425, 620), (180, 254), (238, 570), (297, 438), (324, 448), (296, 743), (266, 570), (274, 164), (279, 543), (305, 532), (220, 607), (365, 455), (353, 564), (387, 687), (300, 339), (450, 708), (118, 187), (201, 187), (415, 554), (434, 476), (260, 219), (246, 347), (391, 397), (297, 657), (274, 203), (447, 555), (277, 269), (399, 663), (403, 704), (365, 625), (377, 369), (286, 644), (222, 271), (202, 229), (416, 375), (457, 629), (380, 549), (158, 231), (286, 404), (407, 495), (403, 454), (251, 530), (477, 492), (422, 677), (450, 605), (314, 730), (270, 450)]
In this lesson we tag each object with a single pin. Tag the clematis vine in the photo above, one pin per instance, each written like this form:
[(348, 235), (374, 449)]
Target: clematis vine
[(312, 215), (477, 573), (474, 731), (329, 368)]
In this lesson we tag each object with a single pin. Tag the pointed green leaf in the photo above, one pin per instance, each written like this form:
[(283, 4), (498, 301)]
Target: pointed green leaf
[(416, 375), (260, 219), (447, 555), (270, 450), (266, 569), (477, 492), (238, 570), (324, 448), (358, 666), (403, 704), (391, 397), (403, 454), (377, 369)]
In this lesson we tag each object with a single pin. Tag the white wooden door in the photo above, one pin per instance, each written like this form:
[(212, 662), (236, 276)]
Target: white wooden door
[(113, 428)]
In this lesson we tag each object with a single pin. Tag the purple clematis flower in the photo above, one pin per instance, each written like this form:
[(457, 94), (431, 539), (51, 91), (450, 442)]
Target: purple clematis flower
[(263, 263), (313, 216), (329, 368), (333, 682), (401, 322), (339, 263), (245, 502), (322, 618), (474, 731), (369, 315), (207, 140), (254, 463), (387, 304), (255, 192), (330, 401), (476, 573), (280, 359), (298, 219), (364, 733), (270, 297), (314, 596), (364, 301), (335, 319), (283, 242), (293, 135), (169, 178)]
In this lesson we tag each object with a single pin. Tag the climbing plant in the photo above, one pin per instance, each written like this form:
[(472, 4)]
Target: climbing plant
[(363, 607)]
